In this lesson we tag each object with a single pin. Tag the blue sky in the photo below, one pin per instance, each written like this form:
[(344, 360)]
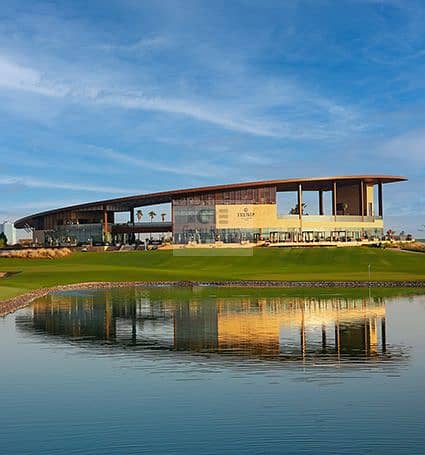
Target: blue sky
[(106, 98)]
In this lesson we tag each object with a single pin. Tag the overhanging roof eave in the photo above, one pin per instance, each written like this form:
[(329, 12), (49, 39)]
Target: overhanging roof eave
[(130, 202)]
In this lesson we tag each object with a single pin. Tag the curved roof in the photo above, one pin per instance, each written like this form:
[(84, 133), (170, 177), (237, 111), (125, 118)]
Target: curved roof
[(129, 202)]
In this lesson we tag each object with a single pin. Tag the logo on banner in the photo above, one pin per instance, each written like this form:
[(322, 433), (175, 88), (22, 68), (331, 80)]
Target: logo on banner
[(246, 213)]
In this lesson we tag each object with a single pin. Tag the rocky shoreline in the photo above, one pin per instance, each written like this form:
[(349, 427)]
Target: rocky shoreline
[(21, 301)]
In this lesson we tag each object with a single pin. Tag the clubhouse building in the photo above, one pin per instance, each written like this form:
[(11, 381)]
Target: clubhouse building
[(346, 208)]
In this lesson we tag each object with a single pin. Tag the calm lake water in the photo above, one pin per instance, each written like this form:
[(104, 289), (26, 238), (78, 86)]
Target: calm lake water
[(208, 371)]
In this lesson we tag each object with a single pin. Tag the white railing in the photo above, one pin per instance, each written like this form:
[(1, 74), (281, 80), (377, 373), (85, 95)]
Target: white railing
[(332, 218)]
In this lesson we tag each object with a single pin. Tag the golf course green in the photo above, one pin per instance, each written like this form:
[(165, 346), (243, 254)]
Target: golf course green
[(291, 264)]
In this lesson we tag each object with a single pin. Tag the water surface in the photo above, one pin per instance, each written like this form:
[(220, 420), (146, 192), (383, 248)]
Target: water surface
[(205, 371)]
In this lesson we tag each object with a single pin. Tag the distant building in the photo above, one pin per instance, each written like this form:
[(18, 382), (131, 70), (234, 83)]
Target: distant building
[(13, 235), (8, 229)]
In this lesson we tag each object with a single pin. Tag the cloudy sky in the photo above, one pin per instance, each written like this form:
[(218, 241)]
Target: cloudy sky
[(107, 98)]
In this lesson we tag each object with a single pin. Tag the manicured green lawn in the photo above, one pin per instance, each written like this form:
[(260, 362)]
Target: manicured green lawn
[(274, 264)]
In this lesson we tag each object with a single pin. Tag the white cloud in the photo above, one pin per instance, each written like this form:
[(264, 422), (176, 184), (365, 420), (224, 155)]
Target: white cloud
[(142, 45), (17, 77), (238, 115), (196, 111), (47, 205), (32, 182), (409, 147), (34, 159), (197, 168)]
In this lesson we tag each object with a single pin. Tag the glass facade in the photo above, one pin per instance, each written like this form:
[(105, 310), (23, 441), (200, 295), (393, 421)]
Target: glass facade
[(336, 235), (210, 235), (75, 234), (194, 223)]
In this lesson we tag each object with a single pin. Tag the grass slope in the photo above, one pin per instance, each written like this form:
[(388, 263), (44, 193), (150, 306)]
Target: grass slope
[(280, 264)]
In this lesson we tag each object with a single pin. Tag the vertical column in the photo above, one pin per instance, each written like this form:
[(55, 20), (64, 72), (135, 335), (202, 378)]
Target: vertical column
[(323, 337), (172, 223), (383, 336), (362, 199), (380, 205), (302, 335), (300, 206), (132, 235), (334, 200), (321, 211), (373, 336), (337, 339), (108, 316), (134, 324), (105, 224), (366, 336)]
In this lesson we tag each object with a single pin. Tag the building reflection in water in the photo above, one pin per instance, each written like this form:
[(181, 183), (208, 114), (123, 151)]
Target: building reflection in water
[(276, 327)]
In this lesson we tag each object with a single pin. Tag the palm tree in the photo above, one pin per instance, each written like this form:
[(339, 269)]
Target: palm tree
[(296, 210), (139, 215), (152, 215), (163, 215)]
